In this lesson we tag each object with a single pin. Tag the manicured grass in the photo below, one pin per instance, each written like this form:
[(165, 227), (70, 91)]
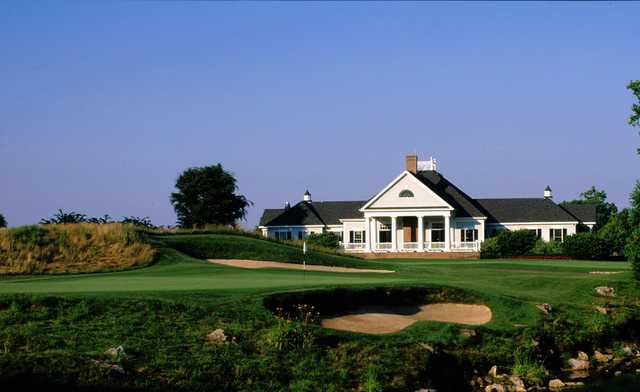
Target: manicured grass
[(161, 314)]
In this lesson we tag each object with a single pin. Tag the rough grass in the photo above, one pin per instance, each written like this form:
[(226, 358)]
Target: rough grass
[(226, 246), (72, 248)]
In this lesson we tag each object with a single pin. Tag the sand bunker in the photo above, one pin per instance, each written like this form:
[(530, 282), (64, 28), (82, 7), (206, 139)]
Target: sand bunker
[(386, 320), (254, 264)]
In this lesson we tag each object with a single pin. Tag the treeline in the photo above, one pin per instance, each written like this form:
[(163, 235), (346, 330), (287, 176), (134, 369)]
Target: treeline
[(63, 217)]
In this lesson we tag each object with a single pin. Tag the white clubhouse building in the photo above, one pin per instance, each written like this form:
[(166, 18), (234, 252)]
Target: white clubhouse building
[(421, 211)]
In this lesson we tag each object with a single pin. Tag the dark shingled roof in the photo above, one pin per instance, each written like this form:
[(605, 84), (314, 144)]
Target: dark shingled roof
[(313, 213), (464, 205), (524, 210), (583, 212)]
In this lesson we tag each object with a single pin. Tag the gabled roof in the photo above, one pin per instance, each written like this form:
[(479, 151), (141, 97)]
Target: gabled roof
[(583, 212), (524, 210), (313, 213), (464, 205)]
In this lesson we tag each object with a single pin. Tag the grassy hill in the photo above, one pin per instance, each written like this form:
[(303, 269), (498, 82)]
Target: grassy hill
[(229, 246), (72, 248), (55, 329)]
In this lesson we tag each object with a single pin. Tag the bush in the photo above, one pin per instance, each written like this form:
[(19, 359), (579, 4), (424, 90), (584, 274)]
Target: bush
[(544, 248), (586, 246), (509, 243), (325, 240), (632, 251), (489, 248)]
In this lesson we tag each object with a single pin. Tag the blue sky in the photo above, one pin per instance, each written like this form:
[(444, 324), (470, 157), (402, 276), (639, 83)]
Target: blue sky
[(102, 105)]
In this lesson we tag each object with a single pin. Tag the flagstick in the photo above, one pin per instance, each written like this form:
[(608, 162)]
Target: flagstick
[(304, 262)]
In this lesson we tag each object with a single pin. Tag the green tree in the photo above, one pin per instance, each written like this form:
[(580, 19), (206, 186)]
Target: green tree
[(618, 231), (634, 200), (3, 222), (207, 195), (634, 118), (327, 240), (632, 252), (62, 217), (604, 210)]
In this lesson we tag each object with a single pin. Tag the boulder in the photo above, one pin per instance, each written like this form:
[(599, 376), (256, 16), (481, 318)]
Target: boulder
[(108, 366), (583, 356), (494, 388), (605, 291), (602, 358), (618, 373), (217, 336), (517, 385), (578, 364), (467, 332), (115, 351), (556, 385), (601, 309), (544, 308), (493, 372)]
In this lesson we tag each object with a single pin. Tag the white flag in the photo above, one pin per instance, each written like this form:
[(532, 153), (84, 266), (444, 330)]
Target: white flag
[(304, 247)]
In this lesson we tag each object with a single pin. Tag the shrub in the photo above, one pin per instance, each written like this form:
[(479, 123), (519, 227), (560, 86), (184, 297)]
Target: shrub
[(632, 251), (547, 248), (62, 217), (325, 240), (586, 246), (83, 247), (3, 221), (509, 243), (489, 248)]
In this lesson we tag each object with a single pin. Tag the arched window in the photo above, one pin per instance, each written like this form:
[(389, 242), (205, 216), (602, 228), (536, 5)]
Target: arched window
[(406, 193)]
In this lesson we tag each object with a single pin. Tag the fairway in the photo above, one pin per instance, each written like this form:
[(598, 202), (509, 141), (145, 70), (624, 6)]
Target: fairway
[(558, 282)]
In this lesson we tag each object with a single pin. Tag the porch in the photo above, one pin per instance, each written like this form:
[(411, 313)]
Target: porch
[(411, 234)]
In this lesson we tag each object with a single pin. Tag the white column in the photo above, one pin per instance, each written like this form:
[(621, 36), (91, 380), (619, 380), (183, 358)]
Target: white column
[(374, 234), (447, 233), (367, 233), (394, 244), (420, 233)]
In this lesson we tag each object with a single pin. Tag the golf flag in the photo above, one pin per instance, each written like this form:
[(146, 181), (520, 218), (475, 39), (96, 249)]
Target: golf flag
[(304, 252)]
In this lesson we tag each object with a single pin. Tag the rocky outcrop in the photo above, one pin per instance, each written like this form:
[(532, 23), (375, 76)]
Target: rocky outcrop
[(115, 352), (605, 291), (544, 308), (217, 336)]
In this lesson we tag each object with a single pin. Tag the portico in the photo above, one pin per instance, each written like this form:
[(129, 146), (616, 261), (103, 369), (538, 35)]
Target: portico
[(407, 232)]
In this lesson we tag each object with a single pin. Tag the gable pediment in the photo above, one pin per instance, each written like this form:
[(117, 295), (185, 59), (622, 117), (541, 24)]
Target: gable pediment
[(416, 195)]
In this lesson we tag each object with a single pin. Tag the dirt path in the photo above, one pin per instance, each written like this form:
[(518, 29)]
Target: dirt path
[(389, 321), (254, 264)]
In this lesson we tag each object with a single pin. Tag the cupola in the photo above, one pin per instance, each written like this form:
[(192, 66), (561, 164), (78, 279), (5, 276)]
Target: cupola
[(307, 196), (547, 193)]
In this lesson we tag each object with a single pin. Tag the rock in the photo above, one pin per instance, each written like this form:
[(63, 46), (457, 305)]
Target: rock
[(217, 336), (468, 332), (115, 351), (517, 384), (602, 358), (573, 385), (427, 347), (618, 373), (493, 372), (628, 351), (605, 291), (578, 364), (426, 390), (108, 366), (544, 308), (601, 309), (494, 388), (556, 385), (583, 356)]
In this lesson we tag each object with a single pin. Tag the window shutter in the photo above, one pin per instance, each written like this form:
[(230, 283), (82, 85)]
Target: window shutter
[(564, 234), (550, 234), (350, 237), (364, 236), (475, 234)]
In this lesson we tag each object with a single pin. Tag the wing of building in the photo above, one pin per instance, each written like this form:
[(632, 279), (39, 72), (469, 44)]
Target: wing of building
[(421, 211)]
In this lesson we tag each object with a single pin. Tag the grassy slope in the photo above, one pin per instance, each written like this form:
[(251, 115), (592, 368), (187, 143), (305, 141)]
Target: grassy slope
[(166, 338), (221, 246)]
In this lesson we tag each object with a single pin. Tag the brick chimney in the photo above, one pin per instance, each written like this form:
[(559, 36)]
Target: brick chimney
[(411, 163)]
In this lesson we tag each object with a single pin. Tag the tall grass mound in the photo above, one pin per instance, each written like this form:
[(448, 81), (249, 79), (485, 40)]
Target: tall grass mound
[(72, 248), (222, 246)]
